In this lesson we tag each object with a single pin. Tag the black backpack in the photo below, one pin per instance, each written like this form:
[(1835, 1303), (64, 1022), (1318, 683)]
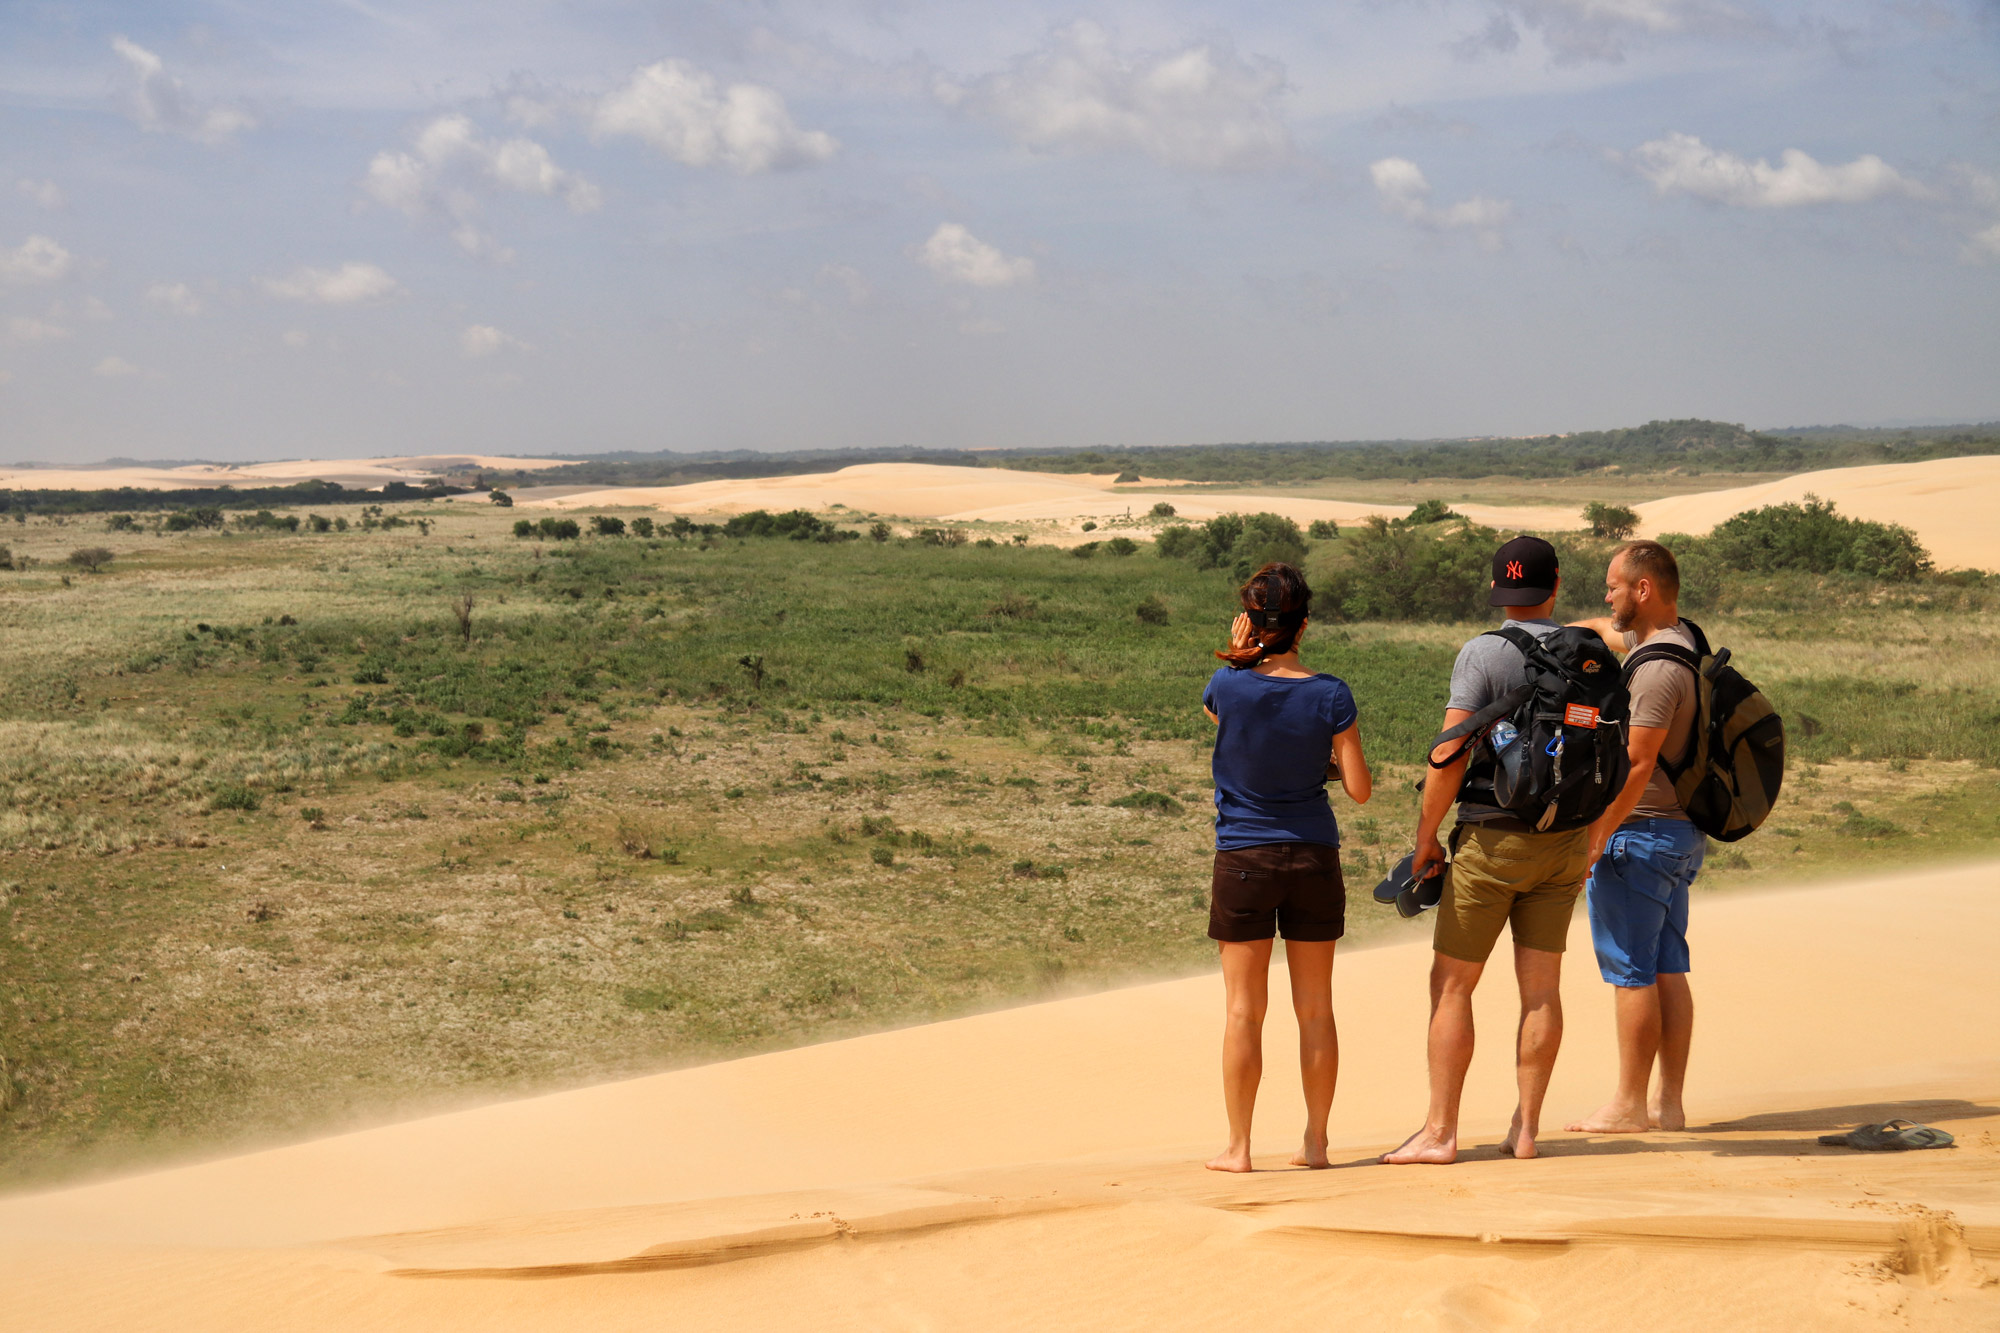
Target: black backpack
[(1729, 779), (1566, 761)]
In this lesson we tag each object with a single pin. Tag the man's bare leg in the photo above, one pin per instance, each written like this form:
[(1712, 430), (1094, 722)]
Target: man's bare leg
[(1246, 985), (1539, 974), (1676, 1036), (1450, 1049), (1310, 963), (1638, 1009)]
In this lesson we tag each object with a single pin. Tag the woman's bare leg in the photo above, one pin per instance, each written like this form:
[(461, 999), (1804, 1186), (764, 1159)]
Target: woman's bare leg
[(1310, 963), (1246, 971)]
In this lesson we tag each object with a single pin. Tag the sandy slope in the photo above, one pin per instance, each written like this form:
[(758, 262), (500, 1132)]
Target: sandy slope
[(1036, 1168), (363, 472), (999, 495), (1949, 502)]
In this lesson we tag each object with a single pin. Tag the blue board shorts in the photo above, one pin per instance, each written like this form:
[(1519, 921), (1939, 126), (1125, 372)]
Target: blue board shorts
[(1638, 899)]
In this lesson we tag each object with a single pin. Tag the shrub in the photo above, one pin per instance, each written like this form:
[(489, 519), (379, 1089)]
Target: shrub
[(1430, 511), (1126, 476), (6, 557), (90, 558), (524, 527), (942, 536), (882, 856), (203, 516), (1236, 542), (1397, 572), (121, 523), (604, 525), (798, 524), (642, 526), (878, 532), (319, 522), (1152, 611), (1614, 521), (559, 529), (266, 521), (501, 500), (1323, 529), (1813, 538), (233, 796), (1089, 526), (1085, 551), (1013, 606), (1162, 510), (1121, 546)]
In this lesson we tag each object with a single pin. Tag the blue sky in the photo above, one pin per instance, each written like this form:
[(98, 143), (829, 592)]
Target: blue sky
[(238, 231)]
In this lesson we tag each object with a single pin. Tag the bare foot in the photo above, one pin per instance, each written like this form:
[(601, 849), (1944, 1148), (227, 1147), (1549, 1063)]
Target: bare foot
[(1611, 1118), (1667, 1115), (1312, 1155), (1519, 1143), (1231, 1158), (1426, 1146)]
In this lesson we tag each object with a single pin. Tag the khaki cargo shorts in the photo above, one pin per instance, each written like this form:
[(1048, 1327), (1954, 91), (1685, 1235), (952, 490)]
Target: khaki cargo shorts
[(1528, 880)]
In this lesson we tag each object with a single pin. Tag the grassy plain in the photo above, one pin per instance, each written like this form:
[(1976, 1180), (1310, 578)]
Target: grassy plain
[(285, 849)]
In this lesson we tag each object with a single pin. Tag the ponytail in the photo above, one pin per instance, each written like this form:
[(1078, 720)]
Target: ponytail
[(1276, 599)]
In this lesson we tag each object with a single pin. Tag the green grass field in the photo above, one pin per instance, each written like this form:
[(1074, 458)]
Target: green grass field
[(287, 847)]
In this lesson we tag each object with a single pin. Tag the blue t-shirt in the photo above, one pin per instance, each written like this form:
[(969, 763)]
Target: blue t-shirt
[(1270, 756)]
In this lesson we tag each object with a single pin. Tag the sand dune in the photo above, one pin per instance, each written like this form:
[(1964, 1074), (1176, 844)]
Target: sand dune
[(1948, 502), (999, 495), (1037, 1168), (362, 472)]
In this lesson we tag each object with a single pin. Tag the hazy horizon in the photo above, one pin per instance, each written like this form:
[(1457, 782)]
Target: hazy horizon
[(514, 228)]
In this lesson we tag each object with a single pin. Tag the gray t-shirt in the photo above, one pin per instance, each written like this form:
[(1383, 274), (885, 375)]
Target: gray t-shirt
[(1487, 668), (1663, 695)]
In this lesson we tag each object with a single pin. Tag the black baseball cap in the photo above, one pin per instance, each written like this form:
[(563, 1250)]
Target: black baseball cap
[(1524, 573)]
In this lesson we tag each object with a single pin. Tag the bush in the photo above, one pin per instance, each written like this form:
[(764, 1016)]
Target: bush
[(1124, 477), (604, 525), (1813, 538), (501, 500), (121, 523), (234, 796), (90, 558), (1430, 511), (319, 522), (6, 557), (1239, 543), (1400, 572), (1162, 510), (878, 532), (1153, 611), (559, 529), (942, 536), (203, 516), (642, 526), (1121, 546), (1157, 801), (1089, 526), (524, 527), (266, 521), (798, 524), (1323, 529), (1614, 521)]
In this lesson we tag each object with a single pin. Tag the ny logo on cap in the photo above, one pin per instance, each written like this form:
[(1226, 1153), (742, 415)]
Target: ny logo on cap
[(1514, 570)]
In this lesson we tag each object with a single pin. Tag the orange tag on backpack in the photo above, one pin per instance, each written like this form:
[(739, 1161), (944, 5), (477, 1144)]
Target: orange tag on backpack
[(1581, 715)]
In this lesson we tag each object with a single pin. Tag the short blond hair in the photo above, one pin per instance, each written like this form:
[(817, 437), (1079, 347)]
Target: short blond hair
[(1650, 560)]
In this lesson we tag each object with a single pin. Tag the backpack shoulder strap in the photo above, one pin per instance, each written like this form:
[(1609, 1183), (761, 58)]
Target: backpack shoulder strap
[(1654, 652), (1520, 638), (1473, 727), (1700, 640)]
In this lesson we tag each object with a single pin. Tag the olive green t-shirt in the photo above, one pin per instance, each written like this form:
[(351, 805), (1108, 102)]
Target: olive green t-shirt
[(1663, 696)]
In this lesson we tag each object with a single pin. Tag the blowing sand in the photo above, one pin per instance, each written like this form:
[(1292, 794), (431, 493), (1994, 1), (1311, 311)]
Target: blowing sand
[(1038, 1168), (1948, 502)]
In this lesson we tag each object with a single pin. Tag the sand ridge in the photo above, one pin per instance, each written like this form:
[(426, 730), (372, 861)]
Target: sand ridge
[(366, 473), (1038, 1166)]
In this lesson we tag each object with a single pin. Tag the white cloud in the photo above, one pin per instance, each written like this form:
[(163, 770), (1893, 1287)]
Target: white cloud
[(1583, 30), (448, 160), (850, 280), (295, 338), (116, 368), (161, 105), (1403, 191), (46, 193), (37, 259), (175, 296), (27, 329), (681, 111), (483, 340), (1203, 107), (1980, 189), (353, 283), (1984, 245), (1683, 164), (956, 255)]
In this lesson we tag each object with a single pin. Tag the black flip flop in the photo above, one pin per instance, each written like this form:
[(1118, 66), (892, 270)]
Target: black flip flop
[(1889, 1136), (1412, 898)]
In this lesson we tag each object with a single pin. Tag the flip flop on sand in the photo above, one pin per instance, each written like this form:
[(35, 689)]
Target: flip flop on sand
[(1889, 1136)]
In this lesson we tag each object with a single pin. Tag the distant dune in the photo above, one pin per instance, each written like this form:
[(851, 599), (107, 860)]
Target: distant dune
[(1039, 1168), (1950, 503), (361, 472)]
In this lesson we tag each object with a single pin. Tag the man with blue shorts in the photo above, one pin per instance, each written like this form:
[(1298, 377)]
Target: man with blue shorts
[(1644, 854)]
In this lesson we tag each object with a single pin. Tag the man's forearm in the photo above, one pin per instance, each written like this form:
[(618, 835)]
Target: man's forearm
[(1625, 802), (1440, 790)]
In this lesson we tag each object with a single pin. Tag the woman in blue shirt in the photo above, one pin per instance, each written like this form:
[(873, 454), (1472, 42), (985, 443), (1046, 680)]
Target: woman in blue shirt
[(1282, 731)]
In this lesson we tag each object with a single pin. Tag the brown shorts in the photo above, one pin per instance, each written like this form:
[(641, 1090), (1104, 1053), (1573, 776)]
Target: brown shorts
[(1293, 888), (1527, 881)]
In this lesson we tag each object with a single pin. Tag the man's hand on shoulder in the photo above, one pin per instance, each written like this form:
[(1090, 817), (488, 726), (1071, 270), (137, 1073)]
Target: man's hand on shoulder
[(1614, 638)]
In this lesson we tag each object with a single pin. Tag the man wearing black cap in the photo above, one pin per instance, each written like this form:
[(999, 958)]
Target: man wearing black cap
[(1503, 873)]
